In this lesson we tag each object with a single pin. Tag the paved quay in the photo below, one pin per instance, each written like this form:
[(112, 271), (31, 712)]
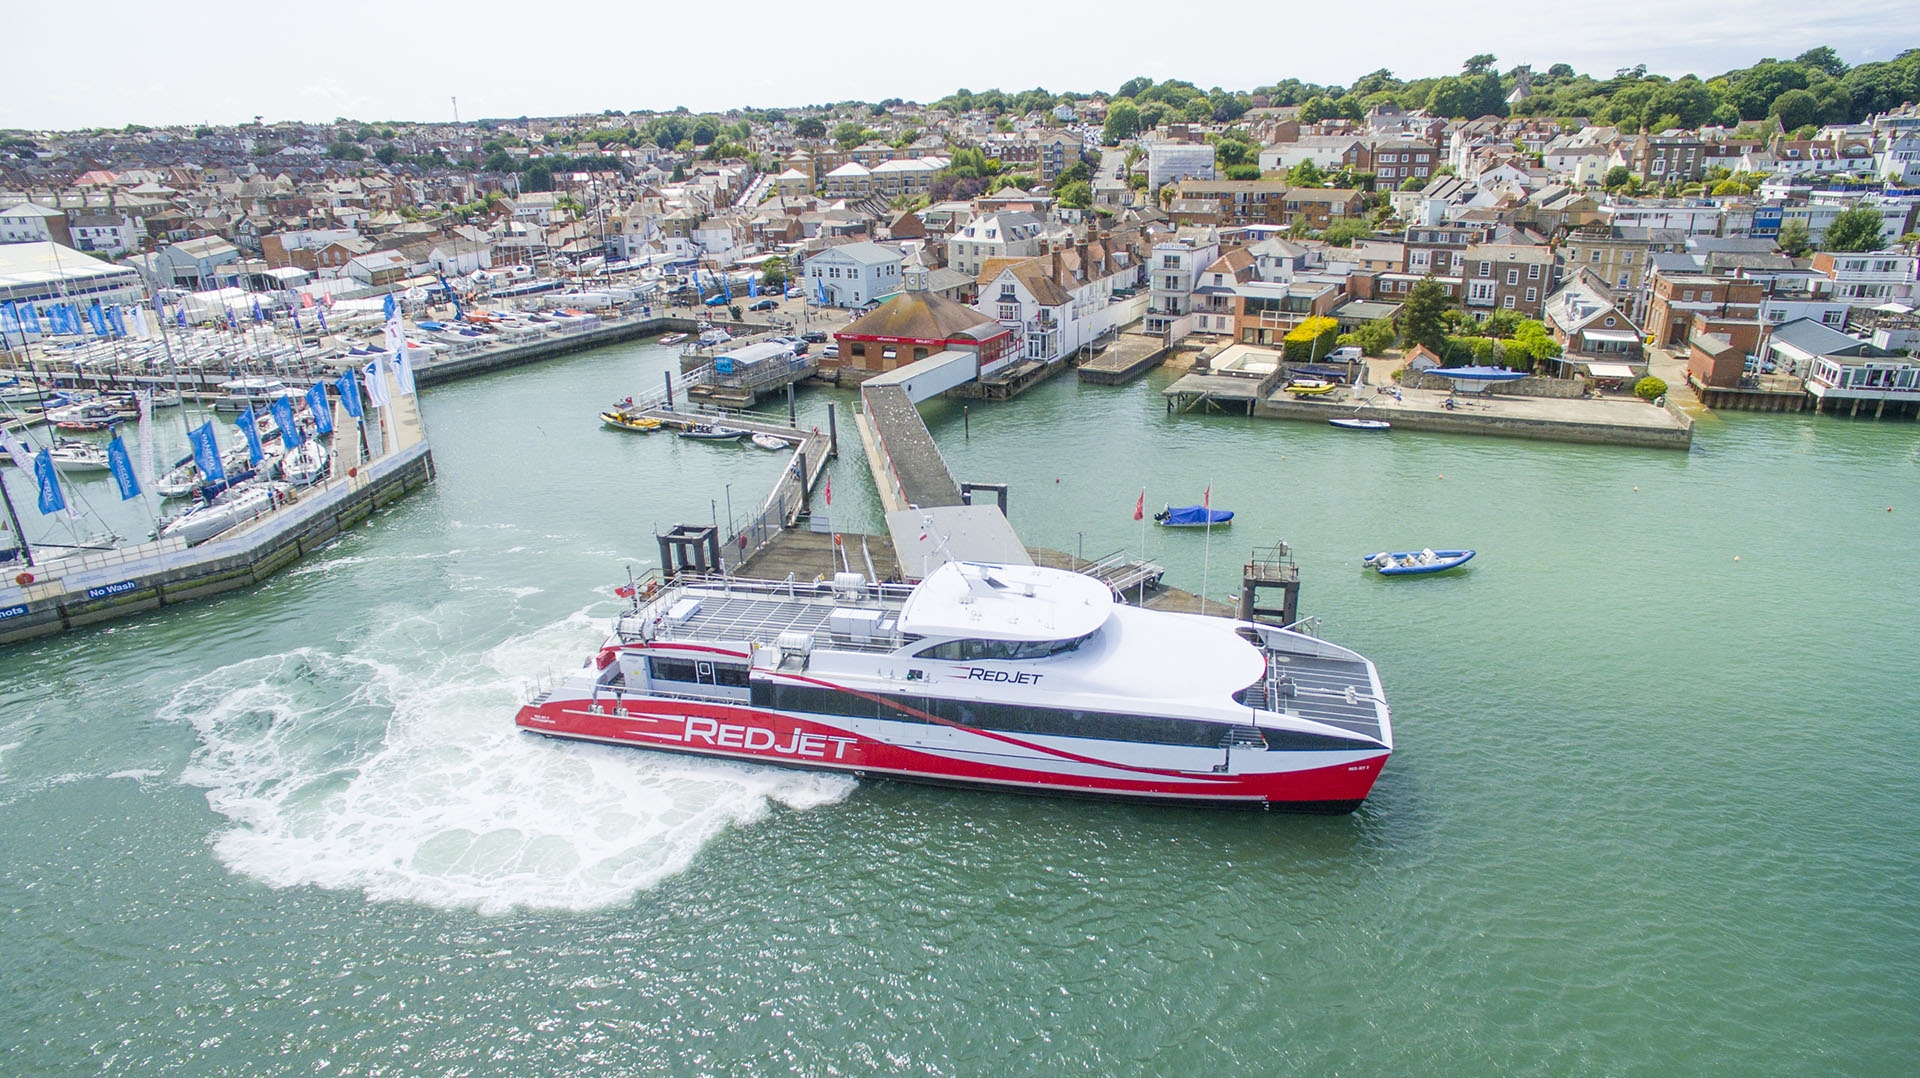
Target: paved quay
[(1599, 421)]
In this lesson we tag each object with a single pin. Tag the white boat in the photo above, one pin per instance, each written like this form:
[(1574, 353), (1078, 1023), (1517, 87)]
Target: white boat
[(256, 393), (768, 441), (236, 506), (1014, 678), (73, 455), (306, 464), (178, 482)]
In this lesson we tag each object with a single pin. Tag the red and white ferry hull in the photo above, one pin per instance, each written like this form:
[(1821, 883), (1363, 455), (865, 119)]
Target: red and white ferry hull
[(1329, 781)]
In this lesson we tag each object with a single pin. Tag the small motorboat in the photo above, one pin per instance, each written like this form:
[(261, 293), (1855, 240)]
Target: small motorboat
[(1412, 562), (1356, 423), (74, 455), (621, 420), (672, 338), (1193, 516), (711, 432), (1311, 387), (768, 441), (90, 416)]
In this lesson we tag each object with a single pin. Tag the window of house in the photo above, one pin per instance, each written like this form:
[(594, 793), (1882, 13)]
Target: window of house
[(1687, 296), (1009, 312), (1509, 303), (1486, 269), (1532, 293), (1596, 257), (1513, 276)]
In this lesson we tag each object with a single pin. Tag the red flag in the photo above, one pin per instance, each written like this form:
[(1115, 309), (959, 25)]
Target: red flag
[(1140, 507), (624, 591), (829, 490), (1206, 500)]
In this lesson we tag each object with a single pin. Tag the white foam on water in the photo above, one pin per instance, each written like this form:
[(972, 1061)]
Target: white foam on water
[(330, 564), (347, 772)]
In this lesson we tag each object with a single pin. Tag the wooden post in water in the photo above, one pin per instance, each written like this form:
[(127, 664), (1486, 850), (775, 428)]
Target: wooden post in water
[(793, 418), (833, 433), (669, 377)]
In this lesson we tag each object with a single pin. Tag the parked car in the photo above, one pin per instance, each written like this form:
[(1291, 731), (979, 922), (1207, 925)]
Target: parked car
[(765, 305), (717, 301), (816, 336)]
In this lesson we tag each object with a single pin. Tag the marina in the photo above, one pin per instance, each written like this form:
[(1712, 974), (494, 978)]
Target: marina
[(357, 793)]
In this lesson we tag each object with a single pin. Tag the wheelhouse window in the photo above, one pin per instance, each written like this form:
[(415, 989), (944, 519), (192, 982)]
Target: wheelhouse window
[(999, 650)]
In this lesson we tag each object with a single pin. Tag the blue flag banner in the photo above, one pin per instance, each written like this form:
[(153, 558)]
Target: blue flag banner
[(97, 320), (317, 406), (180, 316), (249, 425), (349, 387), (322, 312), (753, 287), (376, 383), (297, 327), (290, 436), (206, 452), (51, 500), (726, 287), (9, 318), (117, 320), (257, 316), (388, 307), (30, 318), (121, 465)]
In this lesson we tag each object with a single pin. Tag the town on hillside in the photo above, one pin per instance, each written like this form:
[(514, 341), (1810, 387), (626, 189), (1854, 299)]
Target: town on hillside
[(1756, 229)]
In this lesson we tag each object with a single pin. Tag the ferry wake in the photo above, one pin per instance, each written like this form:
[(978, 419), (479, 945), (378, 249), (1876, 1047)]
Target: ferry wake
[(1014, 678)]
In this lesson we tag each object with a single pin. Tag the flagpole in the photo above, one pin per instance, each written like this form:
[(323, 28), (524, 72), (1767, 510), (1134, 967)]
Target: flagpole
[(1206, 556), (19, 534)]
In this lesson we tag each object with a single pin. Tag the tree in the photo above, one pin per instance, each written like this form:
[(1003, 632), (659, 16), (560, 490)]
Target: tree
[(1076, 194), (1412, 183), (1650, 388), (1134, 87), (773, 273), (810, 127), (1859, 228), (1342, 233), (1306, 174), (849, 134), (1823, 59), (1532, 341), (1478, 64), (1372, 338), (1618, 176), (1123, 122), (1794, 240), (1423, 315), (1795, 108), (346, 151)]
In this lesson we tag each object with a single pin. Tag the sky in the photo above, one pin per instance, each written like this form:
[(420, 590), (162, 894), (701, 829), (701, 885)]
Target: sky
[(223, 62)]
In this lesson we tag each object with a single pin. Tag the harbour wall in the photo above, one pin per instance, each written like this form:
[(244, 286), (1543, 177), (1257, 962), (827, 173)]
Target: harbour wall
[(75, 592), (1502, 426)]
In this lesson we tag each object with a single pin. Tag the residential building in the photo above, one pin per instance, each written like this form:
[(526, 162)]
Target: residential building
[(853, 274), (1056, 303), (1263, 312), (1507, 276), (1678, 296), (1597, 337), (1843, 371), (1870, 279), (1439, 249), (851, 180), (1172, 271), (194, 263), (1010, 234), (109, 233), (27, 222), (1619, 257), (1669, 157)]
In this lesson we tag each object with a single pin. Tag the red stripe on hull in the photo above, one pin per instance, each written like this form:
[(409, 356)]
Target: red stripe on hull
[(742, 733)]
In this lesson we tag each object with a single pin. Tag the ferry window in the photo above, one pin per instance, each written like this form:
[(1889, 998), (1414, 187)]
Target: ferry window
[(950, 651), (671, 669)]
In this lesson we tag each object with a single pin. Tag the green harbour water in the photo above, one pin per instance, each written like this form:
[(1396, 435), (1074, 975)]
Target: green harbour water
[(1652, 809)]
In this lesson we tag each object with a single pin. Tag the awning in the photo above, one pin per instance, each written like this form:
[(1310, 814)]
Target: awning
[(1609, 370), (1612, 336)]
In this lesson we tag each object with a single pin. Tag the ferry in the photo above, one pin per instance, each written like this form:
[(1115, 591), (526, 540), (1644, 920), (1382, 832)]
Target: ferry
[(1011, 678)]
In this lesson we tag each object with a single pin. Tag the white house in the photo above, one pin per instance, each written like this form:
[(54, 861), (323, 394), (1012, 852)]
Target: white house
[(1170, 162), (1176, 263), (30, 223), (111, 233), (1059, 302), (853, 274), (1012, 234)]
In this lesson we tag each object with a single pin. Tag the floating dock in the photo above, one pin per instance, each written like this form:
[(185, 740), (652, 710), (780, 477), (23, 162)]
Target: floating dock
[(1128, 357)]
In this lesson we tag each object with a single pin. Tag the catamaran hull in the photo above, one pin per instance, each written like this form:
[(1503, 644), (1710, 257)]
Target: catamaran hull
[(1322, 781)]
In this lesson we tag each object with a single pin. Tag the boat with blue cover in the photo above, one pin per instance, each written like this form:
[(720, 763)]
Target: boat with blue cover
[(1193, 516), (1413, 562)]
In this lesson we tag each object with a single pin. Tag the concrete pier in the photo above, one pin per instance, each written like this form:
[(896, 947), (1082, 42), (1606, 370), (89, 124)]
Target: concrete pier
[(1128, 357), (73, 592)]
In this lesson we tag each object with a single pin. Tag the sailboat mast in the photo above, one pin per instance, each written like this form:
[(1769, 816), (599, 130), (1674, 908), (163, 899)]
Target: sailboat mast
[(19, 536)]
